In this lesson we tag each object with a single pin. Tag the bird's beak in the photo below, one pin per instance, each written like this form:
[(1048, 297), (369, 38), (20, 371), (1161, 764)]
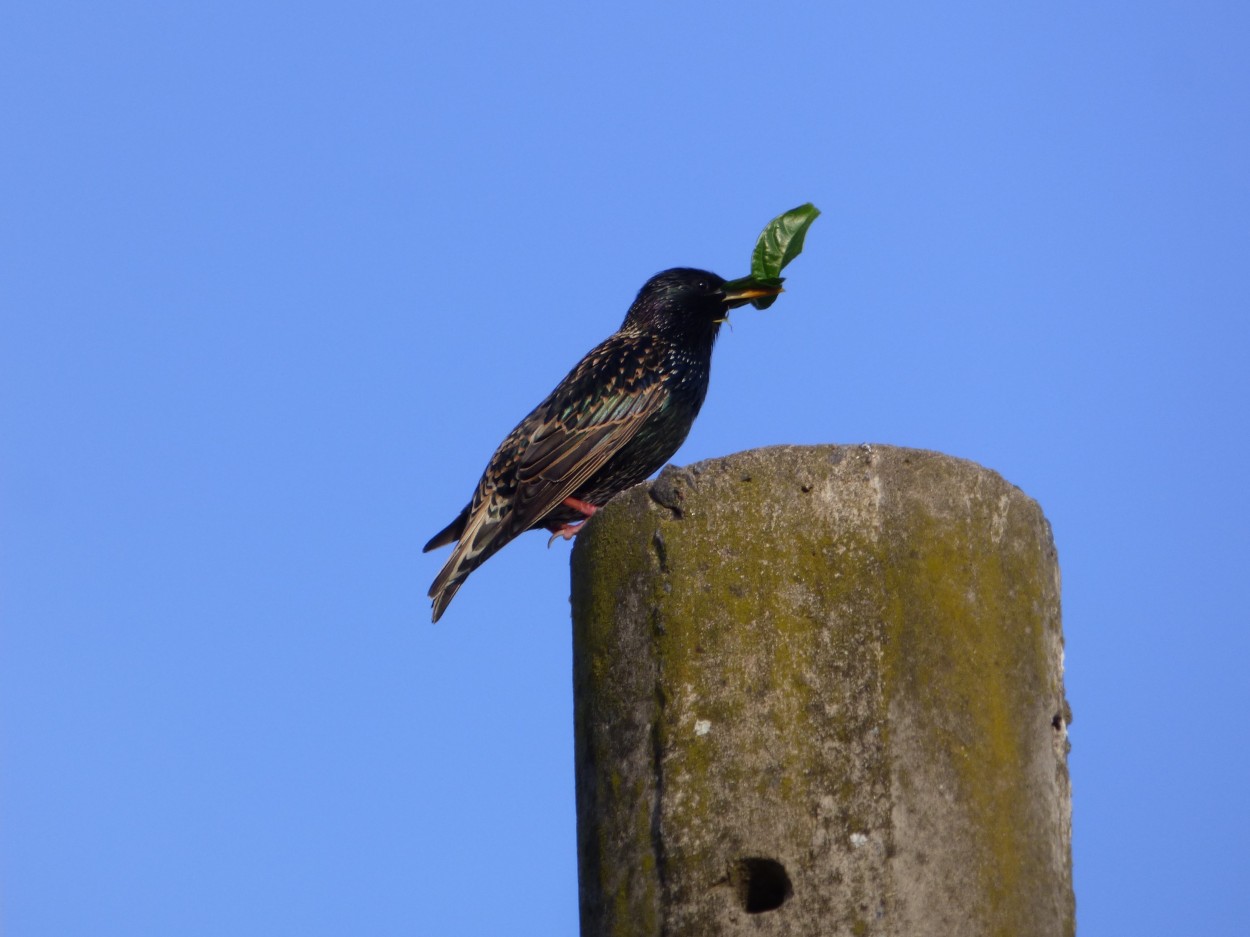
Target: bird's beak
[(741, 292)]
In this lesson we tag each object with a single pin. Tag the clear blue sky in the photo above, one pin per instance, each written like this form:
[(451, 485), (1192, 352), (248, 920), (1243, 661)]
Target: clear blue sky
[(276, 278)]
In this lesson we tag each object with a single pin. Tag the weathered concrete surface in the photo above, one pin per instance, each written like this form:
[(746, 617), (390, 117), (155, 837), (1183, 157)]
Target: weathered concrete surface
[(820, 691)]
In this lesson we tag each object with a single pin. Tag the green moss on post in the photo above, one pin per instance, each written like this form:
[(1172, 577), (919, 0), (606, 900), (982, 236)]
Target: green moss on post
[(819, 691)]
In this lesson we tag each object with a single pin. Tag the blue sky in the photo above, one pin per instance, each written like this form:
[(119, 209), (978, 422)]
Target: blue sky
[(277, 278)]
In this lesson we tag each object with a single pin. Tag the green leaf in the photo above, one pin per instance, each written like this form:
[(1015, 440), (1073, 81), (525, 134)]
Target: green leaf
[(765, 301), (781, 241)]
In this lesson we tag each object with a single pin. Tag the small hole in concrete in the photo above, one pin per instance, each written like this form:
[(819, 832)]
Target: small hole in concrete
[(762, 885)]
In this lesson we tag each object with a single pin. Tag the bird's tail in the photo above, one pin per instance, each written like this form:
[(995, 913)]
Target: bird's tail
[(442, 598), (481, 535), (449, 534)]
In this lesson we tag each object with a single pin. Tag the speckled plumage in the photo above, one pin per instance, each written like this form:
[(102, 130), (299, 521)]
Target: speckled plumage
[(616, 418)]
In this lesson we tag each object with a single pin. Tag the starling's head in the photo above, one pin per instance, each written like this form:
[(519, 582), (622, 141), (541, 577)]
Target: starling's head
[(688, 301)]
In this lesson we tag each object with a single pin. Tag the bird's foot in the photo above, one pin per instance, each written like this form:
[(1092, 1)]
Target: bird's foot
[(565, 531), (569, 531)]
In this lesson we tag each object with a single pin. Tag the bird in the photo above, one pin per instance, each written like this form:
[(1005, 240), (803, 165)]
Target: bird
[(617, 417)]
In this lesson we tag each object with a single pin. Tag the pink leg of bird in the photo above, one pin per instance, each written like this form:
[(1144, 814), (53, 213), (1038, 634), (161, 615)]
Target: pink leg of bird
[(584, 507), (569, 531)]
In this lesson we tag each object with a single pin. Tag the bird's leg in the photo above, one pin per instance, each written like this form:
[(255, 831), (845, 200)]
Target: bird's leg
[(569, 531), (582, 506)]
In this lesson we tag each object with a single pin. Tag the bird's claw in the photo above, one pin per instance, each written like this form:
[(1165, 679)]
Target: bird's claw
[(566, 532)]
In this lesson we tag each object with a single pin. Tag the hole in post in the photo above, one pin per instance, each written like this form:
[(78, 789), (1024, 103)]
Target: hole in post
[(762, 885)]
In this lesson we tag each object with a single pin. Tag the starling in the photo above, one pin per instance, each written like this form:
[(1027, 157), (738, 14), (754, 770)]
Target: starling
[(616, 418)]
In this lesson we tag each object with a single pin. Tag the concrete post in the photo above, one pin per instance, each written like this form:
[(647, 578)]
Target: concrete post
[(820, 691)]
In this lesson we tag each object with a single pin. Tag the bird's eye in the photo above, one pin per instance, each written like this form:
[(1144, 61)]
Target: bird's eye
[(702, 284)]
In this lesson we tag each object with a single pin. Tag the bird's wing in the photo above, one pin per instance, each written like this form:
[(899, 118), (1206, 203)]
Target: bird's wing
[(564, 452), (551, 454)]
